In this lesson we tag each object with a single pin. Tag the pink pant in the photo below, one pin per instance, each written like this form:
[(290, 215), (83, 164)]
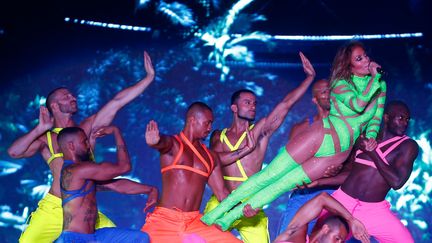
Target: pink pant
[(378, 219)]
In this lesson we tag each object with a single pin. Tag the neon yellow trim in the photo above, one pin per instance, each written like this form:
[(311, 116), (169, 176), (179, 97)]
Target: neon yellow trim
[(224, 139), (50, 145)]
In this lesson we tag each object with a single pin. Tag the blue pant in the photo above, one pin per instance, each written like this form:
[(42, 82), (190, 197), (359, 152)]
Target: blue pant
[(297, 199), (103, 235)]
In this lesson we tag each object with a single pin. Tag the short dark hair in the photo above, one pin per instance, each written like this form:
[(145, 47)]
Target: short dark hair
[(391, 105), (336, 220), (50, 98), (197, 106), (68, 132), (236, 95)]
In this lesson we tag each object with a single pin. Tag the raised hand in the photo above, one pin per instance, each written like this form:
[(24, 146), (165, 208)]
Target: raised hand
[(46, 122), (148, 66), (250, 141), (151, 199), (152, 133), (307, 66), (359, 231)]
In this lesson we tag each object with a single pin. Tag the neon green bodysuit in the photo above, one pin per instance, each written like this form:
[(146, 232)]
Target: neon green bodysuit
[(355, 109)]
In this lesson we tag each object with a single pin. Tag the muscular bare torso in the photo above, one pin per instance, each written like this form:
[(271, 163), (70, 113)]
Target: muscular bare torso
[(252, 163), (183, 189), (366, 183)]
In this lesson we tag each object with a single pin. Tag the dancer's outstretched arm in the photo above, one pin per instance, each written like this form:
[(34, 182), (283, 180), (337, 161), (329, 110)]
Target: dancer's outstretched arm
[(297, 228), (268, 125), (107, 113)]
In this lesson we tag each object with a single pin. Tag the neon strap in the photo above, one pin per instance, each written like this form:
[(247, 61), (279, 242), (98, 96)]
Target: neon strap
[(398, 140), (74, 193), (209, 166), (224, 139), (50, 145)]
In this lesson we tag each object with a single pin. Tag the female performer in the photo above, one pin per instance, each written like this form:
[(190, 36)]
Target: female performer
[(357, 100)]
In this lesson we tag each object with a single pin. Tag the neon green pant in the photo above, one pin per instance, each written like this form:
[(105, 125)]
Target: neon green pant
[(252, 230), (46, 223), (280, 176)]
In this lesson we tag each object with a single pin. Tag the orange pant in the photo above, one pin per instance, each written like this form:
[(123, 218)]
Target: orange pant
[(176, 226)]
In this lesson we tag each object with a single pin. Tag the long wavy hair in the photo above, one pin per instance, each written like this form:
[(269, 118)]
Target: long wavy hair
[(341, 68)]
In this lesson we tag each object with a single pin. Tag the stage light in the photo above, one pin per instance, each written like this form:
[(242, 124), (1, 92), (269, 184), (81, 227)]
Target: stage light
[(107, 25)]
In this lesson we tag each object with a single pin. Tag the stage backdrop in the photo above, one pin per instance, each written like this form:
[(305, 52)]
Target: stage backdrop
[(184, 75)]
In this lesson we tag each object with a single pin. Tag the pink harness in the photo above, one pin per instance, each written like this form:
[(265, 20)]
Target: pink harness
[(398, 140)]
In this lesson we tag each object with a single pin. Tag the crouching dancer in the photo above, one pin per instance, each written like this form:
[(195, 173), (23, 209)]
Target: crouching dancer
[(81, 177)]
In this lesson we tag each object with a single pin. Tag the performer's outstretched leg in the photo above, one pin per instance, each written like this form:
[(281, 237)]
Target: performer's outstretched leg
[(266, 195), (284, 162), (279, 166)]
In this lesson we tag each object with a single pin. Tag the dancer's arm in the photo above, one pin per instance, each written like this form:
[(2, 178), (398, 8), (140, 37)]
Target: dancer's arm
[(336, 180), (107, 170), (373, 126), (29, 144), (216, 181), (126, 186), (397, 172), (273, 121), (227, 158), (297, 228), (107, 113)]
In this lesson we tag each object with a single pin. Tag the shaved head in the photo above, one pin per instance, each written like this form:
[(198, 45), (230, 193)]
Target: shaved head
[(318, 86), (197, 108), (395, 105), (68, 134), (52, 97), (336, 222)]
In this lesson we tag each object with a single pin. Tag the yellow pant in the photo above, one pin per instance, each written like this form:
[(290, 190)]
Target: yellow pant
[(252, 230), (46, 222)]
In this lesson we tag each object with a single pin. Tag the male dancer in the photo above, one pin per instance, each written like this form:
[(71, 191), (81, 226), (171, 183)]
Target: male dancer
[(321, 99), (81, 177), (333, 229), (243, 106), (46, 222), (187, 165), (375, 170)]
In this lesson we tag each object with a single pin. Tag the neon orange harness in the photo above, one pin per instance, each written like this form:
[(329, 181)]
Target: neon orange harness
[(209, 166)]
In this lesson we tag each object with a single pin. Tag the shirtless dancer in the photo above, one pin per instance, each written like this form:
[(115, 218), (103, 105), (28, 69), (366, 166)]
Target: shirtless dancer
[(376, 170), (46, 222), (81, 177), (187, 165), (333, 229), (321, 100), (243, 106)]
